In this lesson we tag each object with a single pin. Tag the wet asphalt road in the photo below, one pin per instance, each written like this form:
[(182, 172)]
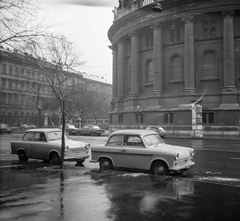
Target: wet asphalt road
[(38, 191)]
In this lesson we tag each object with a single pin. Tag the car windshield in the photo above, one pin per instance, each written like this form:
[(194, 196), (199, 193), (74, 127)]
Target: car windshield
[(56, 135), (153, 140)]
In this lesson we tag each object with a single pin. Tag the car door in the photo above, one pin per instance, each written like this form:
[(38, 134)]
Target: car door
[(113, 149), (132, 151), (26, 143), (38, 147)]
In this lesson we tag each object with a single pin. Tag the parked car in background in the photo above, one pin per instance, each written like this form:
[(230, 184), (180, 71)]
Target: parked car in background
[(27, 126), (142, 150), (158, 129), (91, 130), (71, 129), (4, 128), (45, 144)]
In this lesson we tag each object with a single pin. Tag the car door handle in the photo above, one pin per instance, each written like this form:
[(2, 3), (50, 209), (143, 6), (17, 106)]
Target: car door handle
[(123, 151)]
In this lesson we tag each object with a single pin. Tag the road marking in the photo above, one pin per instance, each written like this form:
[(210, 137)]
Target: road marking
[(232, 158), (18, 165)]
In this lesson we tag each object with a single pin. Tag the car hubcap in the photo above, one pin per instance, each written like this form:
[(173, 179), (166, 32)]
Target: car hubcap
[(160, 170), (105, 165)]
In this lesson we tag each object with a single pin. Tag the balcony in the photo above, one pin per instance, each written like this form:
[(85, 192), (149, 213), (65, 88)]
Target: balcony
[(129, 6)]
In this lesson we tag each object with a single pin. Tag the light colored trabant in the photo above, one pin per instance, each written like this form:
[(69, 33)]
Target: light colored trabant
[(45, 144), (144, 150)]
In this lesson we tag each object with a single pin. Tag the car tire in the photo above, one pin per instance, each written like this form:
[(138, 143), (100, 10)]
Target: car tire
[(22, 156), (105, 164), (91, 134), (160, 168), (55, 159)]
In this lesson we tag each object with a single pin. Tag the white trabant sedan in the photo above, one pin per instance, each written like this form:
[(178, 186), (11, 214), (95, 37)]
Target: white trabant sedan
[(45, 144), (144, 150)]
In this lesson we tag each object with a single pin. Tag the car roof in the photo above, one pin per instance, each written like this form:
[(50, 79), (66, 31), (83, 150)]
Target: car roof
[(134, 132), (44, 129)]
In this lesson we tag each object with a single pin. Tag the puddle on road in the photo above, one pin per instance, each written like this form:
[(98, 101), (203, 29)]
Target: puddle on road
[(110, 195)]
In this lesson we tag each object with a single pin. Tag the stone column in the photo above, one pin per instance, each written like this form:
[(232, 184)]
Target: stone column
[(114, 71), (157, 59), (228, 51), (134, 64), (189, 63), (120, 70)]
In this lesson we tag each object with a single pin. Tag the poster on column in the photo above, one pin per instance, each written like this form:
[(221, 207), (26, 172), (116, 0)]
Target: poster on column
[(197, 129)]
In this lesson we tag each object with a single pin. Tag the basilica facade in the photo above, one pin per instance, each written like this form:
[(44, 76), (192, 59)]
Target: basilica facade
[(164, 61)]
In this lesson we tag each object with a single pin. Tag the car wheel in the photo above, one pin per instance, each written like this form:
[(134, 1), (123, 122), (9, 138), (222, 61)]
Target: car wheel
[(55, 159), (91, 134), (79, 162), (160, 168), (105, 164), (22, 156)]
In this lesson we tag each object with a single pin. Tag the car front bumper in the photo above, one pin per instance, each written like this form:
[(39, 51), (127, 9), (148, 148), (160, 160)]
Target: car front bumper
[(181, 168)]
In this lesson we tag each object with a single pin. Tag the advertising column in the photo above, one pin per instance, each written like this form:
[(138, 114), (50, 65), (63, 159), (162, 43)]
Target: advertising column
[(197, 129)]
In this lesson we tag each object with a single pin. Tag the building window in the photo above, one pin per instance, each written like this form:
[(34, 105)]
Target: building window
[(208, 118), (149, 70), (209, 65), (4, 68), (139, 118), (176, 68), (168, 118), (120, 119)]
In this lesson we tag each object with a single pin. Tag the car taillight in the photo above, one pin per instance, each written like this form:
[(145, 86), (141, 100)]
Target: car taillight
[(176, 156)]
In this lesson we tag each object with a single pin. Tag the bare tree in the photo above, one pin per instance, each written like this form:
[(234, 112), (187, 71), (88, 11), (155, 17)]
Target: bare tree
[(19, 23), (58, 72)]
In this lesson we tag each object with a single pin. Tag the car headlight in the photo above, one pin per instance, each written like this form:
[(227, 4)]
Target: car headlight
[(176, 156), (87, 146), (66, 148), (192, 153)]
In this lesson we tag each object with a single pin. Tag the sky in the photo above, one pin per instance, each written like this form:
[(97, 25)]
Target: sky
[(85, 23)]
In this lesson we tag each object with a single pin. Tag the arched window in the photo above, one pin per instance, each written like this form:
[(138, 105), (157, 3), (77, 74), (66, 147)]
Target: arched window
[(149, 71), (209, 65), (176, 68)]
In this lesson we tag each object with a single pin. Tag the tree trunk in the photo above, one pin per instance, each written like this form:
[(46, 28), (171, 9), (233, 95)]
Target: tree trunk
[(39, 118), (63, 137)]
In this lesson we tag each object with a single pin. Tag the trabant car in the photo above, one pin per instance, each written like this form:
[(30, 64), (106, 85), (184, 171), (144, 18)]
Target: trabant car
[(45, 144), (91, 130), (144, 150)]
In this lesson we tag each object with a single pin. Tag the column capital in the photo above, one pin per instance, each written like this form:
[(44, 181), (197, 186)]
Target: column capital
[(188, 19), (118, 41), (228, 13), (132, 33), (155, 25), (113, 46)]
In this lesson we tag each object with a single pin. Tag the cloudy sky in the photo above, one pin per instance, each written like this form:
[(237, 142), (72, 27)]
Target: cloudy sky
[(86, 23)]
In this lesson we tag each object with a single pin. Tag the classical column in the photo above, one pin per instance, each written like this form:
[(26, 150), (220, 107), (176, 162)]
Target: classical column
[(157, 59), (228, 51), (114, 72), (189, 65), (134, 64), (120, 70)]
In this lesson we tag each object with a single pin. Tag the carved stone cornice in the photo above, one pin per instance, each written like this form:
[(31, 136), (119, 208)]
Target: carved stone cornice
[(155, 26)]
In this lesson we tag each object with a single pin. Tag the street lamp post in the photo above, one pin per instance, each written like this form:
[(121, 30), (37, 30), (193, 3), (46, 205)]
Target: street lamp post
[(138, 109)]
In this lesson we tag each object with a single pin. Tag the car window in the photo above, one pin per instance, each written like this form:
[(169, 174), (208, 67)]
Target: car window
[(153, 140), (115, 140), (56, 135), (28, 136), (39, 136), (132, 140)]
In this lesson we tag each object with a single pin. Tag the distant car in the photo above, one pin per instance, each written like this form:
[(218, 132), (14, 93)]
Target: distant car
[(4, 128), (158, 129), (142, 150), (71, 129), (45, 144), (91, 130), (26, 126)]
